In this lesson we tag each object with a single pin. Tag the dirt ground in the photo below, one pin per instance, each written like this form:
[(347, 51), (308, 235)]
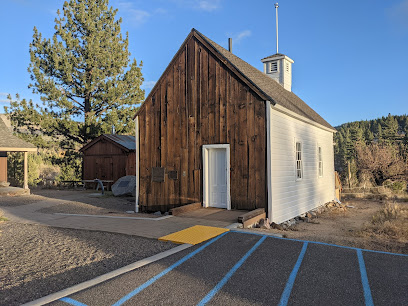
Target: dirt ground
[(344, 228), (88, 202)]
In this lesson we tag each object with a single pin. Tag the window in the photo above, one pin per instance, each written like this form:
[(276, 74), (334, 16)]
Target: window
[(320, 162), (299, 166), (273, 67)]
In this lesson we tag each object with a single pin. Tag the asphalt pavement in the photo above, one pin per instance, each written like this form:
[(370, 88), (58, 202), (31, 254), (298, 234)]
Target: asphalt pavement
[(238, 268)]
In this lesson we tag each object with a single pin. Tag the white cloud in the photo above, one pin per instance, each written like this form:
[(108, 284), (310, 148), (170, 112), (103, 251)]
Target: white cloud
[(398, 14), (240, 36), (202, 5), (160, 11), (135, 16), (209, 5), (148, 85), (139, 16), (4, 101)]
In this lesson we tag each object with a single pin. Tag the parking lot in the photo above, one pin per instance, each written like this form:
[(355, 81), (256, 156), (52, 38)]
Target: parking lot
[(238, 268)]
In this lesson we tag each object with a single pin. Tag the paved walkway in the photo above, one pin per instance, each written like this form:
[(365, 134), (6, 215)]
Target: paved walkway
[(149, 227), (253, 269)]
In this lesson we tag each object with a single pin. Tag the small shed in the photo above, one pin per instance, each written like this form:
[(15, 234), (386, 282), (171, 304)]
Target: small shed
[(109, 157), (11, 143)]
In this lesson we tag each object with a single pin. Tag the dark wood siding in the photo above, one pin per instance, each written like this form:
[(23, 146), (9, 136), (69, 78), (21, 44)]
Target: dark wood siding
[(198, 101), (106, 161)]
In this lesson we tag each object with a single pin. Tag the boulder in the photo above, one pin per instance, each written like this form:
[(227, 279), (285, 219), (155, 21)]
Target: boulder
[(126, 185), (264, 223), (276, 226), (4, 184)]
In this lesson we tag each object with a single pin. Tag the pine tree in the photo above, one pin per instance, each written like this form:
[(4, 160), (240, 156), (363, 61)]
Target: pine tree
[(390, 127), (369, 136), (84, 75)]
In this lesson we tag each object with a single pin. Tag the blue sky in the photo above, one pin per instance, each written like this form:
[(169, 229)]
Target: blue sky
[(350, 56)]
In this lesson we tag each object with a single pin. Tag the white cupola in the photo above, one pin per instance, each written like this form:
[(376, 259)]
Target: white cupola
[(279, 68)]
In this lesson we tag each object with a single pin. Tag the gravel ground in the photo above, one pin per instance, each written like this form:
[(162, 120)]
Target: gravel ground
[(38, 260), (19, 200), (89, 203)]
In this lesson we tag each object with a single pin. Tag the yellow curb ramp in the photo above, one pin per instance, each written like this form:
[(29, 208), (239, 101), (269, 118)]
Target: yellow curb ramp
[(194, 235)]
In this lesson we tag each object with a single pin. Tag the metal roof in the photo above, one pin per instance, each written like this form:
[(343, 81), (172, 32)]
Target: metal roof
[(124, 140)]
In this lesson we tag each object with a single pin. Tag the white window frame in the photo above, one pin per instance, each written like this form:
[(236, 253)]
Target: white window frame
[(299, 161), (320, 168)]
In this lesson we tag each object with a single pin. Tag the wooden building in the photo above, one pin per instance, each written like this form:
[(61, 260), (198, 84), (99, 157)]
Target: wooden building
[(216, 130), (11, 143), (109, 157)]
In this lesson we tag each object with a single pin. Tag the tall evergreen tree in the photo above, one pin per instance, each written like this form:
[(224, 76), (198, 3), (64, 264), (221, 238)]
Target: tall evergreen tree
[(84, 75), (390, 127)]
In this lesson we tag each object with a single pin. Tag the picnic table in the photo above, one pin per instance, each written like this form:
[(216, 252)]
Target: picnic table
[(72, 184), (106, 183)]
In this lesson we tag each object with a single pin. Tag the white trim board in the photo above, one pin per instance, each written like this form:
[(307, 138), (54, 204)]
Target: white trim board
[(268, 158), (137, 164), (206, 149)]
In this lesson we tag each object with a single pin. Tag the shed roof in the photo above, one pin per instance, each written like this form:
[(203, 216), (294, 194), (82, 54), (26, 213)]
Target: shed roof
[(11, 143), (125, 142)]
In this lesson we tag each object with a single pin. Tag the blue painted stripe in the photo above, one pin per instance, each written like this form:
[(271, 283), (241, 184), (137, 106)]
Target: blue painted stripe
[(322, 243), (164, 272), (289, 285), (364, 280), (72, 301), (221, 284)]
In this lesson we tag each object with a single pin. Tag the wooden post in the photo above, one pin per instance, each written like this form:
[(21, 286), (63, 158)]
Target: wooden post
[(25, 171)]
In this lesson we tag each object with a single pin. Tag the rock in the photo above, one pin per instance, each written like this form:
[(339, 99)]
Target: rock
[(309, 215), (157, 213), (313, 213), (306, 219), (264, 223), (130, 212), (4, 184), (292, 222), (302, 215), (126, 185), (166, 213), (277, 226)]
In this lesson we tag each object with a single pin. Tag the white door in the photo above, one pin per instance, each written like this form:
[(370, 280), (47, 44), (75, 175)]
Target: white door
[(217, 174)]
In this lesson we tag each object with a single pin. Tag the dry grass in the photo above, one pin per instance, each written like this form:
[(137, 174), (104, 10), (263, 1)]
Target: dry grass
[(390, 222)]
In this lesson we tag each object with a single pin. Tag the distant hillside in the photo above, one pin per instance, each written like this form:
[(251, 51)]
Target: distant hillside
[(372, 151)]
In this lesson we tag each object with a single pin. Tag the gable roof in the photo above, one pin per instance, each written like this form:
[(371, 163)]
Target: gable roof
[(11, 143), (263, 85), (125, 142)]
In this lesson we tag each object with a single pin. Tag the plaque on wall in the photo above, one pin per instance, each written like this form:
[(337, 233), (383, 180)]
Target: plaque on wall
[(158, 174), (172, 175)]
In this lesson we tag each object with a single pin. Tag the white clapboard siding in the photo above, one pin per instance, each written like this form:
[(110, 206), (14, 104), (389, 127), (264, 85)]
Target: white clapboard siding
[(291, 197)]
